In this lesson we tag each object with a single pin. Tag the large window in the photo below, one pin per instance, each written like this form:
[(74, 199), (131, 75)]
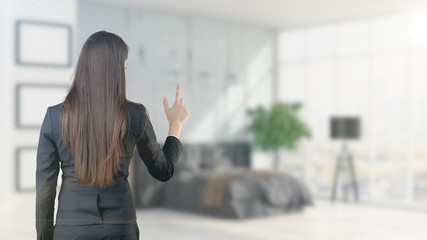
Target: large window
[(376, 69)]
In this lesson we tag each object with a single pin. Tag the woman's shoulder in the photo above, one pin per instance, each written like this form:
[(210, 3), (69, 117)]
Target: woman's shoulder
[(54, 109), (137, 108), (134, 108), (138, 113), (57, 106)]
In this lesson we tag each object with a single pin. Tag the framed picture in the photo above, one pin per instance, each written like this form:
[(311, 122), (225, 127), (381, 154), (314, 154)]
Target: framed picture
[(43, 44), (32, 101), (25, 168)]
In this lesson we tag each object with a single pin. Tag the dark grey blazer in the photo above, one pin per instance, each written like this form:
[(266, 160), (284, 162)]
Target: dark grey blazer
[(80, 204)]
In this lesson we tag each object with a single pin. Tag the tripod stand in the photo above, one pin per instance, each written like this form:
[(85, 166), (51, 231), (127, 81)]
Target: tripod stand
[(345, 157)]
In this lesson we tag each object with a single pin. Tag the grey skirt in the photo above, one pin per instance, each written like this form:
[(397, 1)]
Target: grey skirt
[(96, 231)]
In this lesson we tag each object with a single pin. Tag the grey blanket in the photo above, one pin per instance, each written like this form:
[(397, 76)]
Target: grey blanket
[(244, 197)]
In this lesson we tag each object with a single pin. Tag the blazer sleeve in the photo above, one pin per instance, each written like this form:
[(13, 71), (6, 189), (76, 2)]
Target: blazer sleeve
[(160, 162), (46, 180)]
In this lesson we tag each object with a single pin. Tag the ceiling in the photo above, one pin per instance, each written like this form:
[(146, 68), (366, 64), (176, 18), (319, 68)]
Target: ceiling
[(279, 13)]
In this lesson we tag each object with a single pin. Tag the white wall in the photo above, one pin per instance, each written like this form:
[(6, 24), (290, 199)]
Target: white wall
[(11, 74), (217, 110), (202, 52)]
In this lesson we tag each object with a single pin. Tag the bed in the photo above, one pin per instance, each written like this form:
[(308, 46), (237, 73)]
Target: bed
[(215, 179)]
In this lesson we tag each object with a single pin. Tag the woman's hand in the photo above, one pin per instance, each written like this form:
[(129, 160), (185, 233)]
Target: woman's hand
[(179, 112)]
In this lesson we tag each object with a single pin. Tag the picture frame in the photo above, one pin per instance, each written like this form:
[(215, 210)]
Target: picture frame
[(43, 44), (32, 100)]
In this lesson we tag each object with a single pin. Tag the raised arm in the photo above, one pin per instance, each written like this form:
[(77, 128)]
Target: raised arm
[(46, 180), (160, 162)]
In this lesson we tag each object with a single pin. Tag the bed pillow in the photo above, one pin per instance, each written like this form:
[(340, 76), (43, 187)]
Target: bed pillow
[(191, 159), (216, 161)]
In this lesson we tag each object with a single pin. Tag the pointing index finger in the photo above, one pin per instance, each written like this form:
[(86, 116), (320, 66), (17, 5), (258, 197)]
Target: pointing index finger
[(178, 92)]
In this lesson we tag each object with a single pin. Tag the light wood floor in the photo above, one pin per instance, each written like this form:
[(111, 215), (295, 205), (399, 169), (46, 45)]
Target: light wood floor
[(340, 221)]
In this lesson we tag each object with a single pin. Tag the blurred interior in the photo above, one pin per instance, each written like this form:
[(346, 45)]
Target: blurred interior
[(361, 59)]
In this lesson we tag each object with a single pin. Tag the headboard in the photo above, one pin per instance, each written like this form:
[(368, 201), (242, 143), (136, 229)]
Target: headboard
[(239, 153)]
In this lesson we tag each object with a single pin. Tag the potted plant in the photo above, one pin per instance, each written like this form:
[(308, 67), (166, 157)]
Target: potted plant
[(278, 127)]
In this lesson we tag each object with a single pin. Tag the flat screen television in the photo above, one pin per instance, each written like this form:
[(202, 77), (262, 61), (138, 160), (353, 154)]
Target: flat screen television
[(342, 127)]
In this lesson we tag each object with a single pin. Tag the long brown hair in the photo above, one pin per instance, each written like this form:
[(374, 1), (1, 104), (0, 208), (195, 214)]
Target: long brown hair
[(94, 113)]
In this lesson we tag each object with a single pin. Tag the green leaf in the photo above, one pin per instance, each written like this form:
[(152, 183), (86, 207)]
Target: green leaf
[(279, 126)]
